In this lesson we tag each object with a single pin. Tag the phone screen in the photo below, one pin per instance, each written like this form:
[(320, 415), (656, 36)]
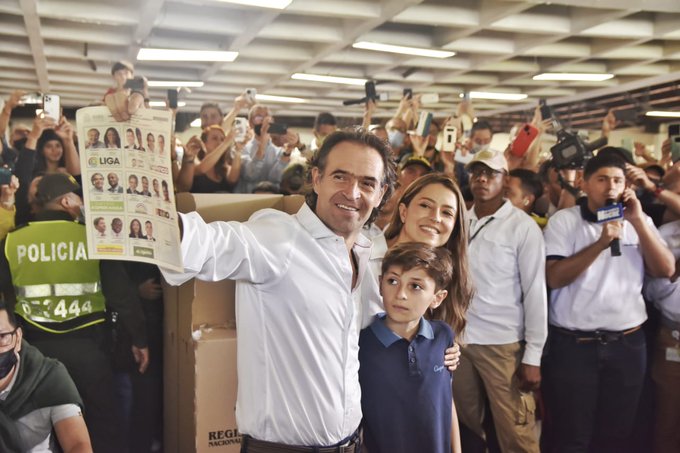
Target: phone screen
[(172, 99)]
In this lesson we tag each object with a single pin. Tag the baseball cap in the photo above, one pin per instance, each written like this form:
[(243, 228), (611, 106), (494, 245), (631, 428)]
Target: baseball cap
[(54, 185), (416, 160), (492, 159)]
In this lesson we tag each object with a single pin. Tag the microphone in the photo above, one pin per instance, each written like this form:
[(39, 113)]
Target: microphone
[(615, 244)]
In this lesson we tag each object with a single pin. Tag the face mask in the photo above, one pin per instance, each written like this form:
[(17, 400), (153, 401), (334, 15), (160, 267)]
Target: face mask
[(478, 147), (7, 361), (396, 138)]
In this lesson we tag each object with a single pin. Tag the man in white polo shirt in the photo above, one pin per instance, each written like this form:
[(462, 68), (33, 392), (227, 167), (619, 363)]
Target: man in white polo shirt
[(507, 319), (596, 352)]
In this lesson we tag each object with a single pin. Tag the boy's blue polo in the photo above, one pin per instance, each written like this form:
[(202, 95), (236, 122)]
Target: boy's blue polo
[(405, 388)]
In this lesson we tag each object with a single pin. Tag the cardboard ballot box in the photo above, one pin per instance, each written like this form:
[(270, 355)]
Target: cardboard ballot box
[(200, 340)]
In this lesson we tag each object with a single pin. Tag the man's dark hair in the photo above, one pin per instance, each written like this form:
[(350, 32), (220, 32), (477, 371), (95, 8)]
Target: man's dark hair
[(544, 170), (118, 65), (211, 105), (531, 182), (610, 158), (435, 261), (10, 314), (480, 126), (324, 118), (360, 137)]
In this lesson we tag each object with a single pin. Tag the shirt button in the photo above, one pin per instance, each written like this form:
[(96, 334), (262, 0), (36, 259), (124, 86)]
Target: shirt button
[(412, 360), (410, 348)]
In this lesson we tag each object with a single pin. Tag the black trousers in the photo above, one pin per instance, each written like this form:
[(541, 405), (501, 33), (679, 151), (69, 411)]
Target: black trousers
[(592, 390), (86, 358)]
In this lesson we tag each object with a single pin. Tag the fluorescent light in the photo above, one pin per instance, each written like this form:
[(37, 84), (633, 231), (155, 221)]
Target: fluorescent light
[(496, 96), (269, 98), (274, 4), (175, 83), (420, 52), (185, 55), (573, 76), (195, 123), (162, 104), (328, 79), (664, 113)]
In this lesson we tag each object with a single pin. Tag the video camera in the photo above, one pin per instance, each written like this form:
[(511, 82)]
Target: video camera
[(571, 151)]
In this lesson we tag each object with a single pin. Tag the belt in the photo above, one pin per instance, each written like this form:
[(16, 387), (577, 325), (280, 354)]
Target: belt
[(350, 444), (602, 336)]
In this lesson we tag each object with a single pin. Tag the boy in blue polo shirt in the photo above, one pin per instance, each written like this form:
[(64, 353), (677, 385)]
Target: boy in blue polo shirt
[(406, 394)]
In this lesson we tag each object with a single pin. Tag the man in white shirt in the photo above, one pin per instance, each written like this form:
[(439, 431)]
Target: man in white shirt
[(297, 279), (596, 354), (507, 319), (665, 294)]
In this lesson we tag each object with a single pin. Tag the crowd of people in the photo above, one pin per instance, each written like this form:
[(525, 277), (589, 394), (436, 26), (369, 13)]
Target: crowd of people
[(420, 300)]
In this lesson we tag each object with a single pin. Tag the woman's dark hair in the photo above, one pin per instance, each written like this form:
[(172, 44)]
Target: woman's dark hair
[(116, 138), (40, 165)]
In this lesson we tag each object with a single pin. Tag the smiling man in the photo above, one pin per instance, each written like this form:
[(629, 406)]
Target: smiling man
[(507, 319), (293, 392)]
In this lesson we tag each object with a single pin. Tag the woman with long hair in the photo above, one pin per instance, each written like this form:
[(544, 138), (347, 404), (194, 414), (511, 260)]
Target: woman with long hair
[(136, 229), (111, 138), (217, 168), (431, 210)]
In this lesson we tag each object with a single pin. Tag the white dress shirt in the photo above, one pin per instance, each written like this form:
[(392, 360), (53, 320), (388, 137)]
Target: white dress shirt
[(664, 293), (297, 322), (507, 264), (608, 294)]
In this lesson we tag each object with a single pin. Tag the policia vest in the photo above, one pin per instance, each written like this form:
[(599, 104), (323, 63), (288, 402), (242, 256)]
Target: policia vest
[(57, 287)]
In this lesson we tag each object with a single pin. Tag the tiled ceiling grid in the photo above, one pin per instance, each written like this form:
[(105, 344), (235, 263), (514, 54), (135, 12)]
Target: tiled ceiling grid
[(67, 47)]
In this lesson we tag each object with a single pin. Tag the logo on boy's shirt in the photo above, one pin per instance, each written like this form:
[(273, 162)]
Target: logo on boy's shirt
[(438, 368)]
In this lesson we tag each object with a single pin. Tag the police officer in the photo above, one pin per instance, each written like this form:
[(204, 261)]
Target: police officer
[(62, 297)]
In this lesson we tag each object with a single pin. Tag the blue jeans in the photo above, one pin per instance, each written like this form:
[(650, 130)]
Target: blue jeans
[(592, 389)]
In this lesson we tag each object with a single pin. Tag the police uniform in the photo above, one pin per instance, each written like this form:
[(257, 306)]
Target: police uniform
[(58, 293)]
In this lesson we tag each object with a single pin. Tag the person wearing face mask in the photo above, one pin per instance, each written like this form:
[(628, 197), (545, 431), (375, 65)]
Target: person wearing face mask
[(396, 135), (480, 140), (37, 397), (63, 298)]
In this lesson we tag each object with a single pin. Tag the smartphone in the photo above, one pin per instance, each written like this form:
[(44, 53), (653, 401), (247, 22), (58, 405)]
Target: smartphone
[(546, 111), (408, 92), (673, 129), (449, 139), (370, 90), (429, 98), (424, 123), (240, 128), (251, 95), (31, 98), (675, 148), (626, 115), (51, 106), (525, 136), (135, 84), (278, 128), (172, 99), (5, 176)]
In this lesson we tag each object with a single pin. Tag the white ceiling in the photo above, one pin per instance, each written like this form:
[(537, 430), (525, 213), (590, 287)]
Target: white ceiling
[(68, 46)]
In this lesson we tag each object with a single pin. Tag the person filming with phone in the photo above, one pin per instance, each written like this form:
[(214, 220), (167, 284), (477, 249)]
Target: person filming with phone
[(598, 253)]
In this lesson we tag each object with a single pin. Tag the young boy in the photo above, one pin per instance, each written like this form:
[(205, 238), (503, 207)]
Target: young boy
[(405, 388)]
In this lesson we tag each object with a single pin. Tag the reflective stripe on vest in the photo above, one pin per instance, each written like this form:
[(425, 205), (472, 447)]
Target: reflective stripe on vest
[(57, 288)]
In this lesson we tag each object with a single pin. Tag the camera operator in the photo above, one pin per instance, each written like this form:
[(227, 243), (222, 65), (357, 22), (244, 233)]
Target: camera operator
[(595, 364)]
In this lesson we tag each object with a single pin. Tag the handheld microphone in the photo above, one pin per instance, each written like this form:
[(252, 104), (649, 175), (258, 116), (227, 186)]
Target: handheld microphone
[(615, 244)]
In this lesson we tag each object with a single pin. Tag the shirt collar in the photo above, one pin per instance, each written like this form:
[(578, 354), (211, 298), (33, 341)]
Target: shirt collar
[(388, 338), (379, 249), (503, 211), (586, 214), (318, 230)]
